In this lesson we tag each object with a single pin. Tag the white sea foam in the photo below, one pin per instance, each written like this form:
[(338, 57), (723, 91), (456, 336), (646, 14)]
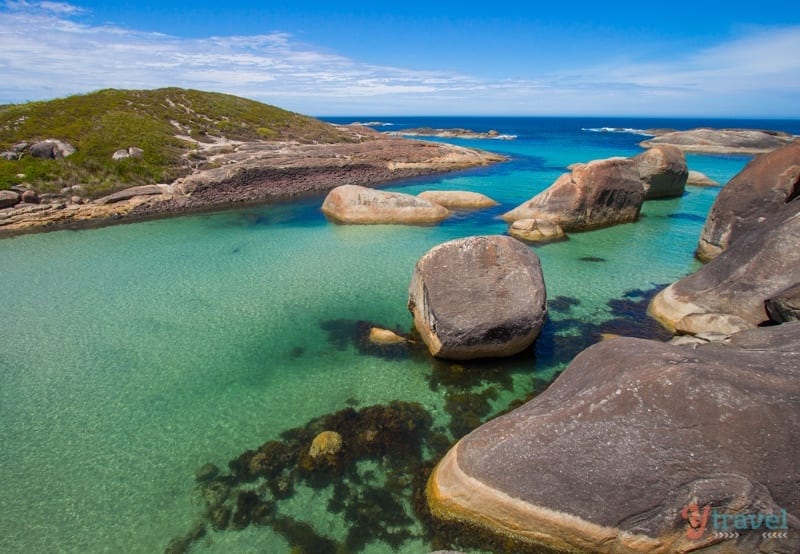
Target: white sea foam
[(628, 130), (372, 123)]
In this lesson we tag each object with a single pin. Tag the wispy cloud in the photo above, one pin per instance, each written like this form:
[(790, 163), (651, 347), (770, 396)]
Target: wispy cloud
[(46, 50), (61, 8)]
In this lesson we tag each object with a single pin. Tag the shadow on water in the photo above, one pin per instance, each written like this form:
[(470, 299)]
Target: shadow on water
[(376, 470), (688, 217)]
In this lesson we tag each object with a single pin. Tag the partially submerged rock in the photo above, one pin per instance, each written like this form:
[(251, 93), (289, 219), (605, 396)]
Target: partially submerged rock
[(458, 199), (597, 194), (478, 297), (633, 433), (765, 185), (362, 205), (663, 172), (384, 336), (327, 443), (535, 231), (722, 141), (699, 179)]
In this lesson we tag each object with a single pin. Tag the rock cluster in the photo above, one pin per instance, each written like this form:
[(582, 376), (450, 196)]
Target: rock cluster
[(125, 153), (362, 205), (593, 195), (50, 149), (754, 231), (601, 193)]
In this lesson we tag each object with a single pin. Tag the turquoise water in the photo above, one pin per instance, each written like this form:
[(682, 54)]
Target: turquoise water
[(132, 355)]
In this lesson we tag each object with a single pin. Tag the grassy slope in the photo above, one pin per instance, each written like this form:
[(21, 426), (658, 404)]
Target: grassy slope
[(100, 123)]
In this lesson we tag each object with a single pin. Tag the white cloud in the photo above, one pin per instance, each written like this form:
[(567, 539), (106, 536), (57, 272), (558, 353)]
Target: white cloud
[(45, 52), (61, 8)]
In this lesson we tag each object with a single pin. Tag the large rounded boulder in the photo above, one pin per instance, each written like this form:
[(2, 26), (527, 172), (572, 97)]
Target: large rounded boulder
[(632, 441), (663, 172), (597, 194), (478, 297), (362, 205), (766, 184)]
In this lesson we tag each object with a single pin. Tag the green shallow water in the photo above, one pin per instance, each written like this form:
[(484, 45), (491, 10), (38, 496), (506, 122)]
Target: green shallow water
[(132, 355)]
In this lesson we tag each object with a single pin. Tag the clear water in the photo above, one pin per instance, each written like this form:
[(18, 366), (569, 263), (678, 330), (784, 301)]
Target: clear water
[(132, 355)]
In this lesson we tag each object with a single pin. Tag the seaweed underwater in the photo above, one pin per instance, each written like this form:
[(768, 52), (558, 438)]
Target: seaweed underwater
[(374, 462)]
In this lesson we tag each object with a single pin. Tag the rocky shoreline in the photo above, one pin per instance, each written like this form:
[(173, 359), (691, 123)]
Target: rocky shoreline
[(250, 173)]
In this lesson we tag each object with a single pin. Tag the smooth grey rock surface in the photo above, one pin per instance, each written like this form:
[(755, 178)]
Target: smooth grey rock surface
[(478, 297)]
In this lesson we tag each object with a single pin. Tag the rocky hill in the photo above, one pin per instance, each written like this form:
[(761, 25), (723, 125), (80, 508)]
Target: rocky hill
[(159, 131)]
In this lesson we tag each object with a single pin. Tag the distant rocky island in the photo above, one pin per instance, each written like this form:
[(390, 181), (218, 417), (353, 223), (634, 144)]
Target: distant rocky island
[(719, 141), (451, 133), (124, 155)]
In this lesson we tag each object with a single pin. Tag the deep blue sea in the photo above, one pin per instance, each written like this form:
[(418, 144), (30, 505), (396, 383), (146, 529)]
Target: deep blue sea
[(133, 355)]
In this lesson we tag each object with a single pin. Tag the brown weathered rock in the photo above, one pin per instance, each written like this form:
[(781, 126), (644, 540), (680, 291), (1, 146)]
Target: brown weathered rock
[(785, 306), (722, 141), (663, 171), (30, 197), (458, 199), (384, 336), (362, 205), (478, 297), (766, 184), (698, 179), (597, 194), (8, 198), (630, 434), (326, 443), (532, 230), (725, 324), (143, 190)]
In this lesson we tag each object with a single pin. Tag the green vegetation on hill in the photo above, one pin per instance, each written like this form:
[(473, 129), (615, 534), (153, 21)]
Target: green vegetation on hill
[(100, 123)]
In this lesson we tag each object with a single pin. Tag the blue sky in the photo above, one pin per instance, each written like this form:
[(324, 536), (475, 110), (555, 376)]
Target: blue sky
[(418, 58)]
